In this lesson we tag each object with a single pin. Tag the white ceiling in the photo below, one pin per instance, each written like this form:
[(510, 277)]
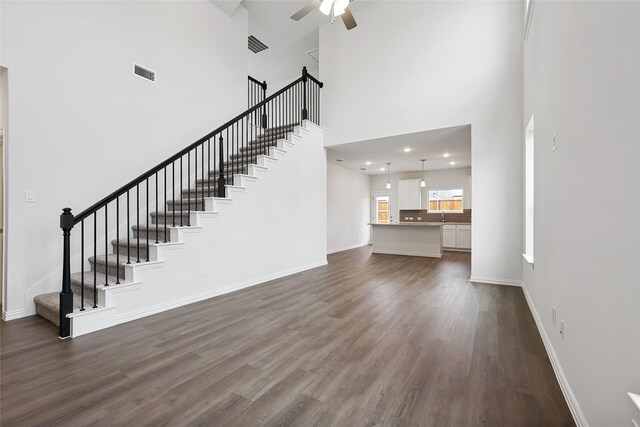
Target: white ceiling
[(430, 145), (288, 40)]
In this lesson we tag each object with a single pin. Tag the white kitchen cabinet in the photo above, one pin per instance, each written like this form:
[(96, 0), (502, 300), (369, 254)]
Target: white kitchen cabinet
[(409, 194), (463, 236), (449, 236), (456, 236)]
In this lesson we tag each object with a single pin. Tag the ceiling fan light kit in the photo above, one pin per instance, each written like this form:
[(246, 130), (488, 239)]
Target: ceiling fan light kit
[(329, 7)]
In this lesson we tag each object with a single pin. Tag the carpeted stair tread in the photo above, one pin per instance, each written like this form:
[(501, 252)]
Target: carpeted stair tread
[(101, 278), (48, 306)]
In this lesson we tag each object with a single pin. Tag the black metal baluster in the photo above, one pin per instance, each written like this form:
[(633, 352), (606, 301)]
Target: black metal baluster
[(173, 192), (164, 178), (209, 166), (189, 186), (128, 232), (202, 173), (181, 192), (148, 218), (157, 210), (138, 221), (106, 240), (95, 259), (221, 183), (118, 239), (82, 265), (196, 180)]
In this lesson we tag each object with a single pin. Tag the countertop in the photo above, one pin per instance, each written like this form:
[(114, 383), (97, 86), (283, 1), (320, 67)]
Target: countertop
[(411, 224)]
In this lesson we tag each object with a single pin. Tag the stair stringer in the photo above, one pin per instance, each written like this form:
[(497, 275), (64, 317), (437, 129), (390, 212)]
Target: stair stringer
[(271, 225)]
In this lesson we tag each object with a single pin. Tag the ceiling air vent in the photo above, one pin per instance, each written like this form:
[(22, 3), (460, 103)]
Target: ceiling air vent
[(144, 73), (256, 45)]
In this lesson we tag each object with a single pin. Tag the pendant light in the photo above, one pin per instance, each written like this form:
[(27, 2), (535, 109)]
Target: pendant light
[(422, 183), (388, 181)]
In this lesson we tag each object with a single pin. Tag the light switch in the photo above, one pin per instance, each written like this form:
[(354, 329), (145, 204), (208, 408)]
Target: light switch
[(30, 196)]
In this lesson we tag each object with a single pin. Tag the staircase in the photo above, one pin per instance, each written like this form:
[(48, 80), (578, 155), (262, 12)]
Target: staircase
[(127, 232)]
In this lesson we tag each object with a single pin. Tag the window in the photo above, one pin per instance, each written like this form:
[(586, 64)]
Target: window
[(382, 209), (528, 193), (446, 200)]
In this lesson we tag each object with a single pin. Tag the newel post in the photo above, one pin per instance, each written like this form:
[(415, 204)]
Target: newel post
[(305, 77), (66, 295), (221, 181), (264, 111)]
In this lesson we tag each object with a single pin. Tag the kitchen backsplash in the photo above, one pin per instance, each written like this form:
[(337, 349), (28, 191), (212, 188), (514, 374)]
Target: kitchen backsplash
[(421, 215)]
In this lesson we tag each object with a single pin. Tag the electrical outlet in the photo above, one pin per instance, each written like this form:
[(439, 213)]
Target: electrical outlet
[(562, 328), (553, 315), (30, 196), (554, 143), (204, 271)]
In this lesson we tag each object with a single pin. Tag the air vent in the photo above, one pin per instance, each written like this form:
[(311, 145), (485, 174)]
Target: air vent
[(256, 45), (144, 73)]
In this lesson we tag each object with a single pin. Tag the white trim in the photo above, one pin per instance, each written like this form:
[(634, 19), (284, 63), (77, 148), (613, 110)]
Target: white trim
[(528, 258), (572, 402), (347, 248), (496, 281), (527, 19), (138, 314), (635, 398), (13, 314), (408, 253)]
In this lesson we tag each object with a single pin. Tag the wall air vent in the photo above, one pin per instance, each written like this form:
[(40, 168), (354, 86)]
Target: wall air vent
[(144, 73), (256, 45)]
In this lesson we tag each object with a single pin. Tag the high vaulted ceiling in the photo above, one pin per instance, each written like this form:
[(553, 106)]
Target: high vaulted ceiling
[(431, 145), (288, 40)]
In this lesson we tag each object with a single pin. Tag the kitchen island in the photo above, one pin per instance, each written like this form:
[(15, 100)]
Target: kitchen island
[(407, 238)]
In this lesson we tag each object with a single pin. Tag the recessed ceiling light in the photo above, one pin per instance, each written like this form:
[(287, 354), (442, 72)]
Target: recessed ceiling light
[(406, 150), (452, 163), (339, 160), (445, 155), (367, 163), (382, 169)]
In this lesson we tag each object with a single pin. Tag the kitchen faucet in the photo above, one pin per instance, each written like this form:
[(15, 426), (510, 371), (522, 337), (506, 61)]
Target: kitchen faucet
[(442, 213)]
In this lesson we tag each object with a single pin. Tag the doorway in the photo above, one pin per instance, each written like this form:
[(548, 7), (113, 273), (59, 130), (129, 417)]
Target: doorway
[(382, 207)]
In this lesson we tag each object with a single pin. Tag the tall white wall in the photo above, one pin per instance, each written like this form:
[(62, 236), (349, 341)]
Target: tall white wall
[(443, 179), (415, 66), (582, 82), (347, 208), (82, 124)]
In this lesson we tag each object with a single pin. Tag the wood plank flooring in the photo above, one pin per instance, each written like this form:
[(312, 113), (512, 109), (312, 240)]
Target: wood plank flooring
[(367, 340)]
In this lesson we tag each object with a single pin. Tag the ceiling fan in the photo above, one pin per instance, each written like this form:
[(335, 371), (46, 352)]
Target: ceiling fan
[(329, 7)]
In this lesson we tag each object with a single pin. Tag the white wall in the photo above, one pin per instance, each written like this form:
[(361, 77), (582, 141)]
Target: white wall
[(582, 82), (264, 234), (415, 66), (443, 179), (348, 208), (82, 125)]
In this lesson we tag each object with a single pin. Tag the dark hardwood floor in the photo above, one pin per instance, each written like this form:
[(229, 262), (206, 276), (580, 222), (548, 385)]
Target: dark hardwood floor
[(368, 339)]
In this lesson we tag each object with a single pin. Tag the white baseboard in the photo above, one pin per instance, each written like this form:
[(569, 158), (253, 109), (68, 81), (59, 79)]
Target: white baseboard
[(13, 315), (572, 402), (408, 253), (348, 248), (496, 281), (148, 311)]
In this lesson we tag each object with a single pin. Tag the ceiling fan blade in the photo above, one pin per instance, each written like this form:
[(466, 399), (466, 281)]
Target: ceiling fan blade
[(314, 4), (348, 19)]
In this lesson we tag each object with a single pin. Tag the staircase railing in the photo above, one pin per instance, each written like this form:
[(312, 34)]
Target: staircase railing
[(230, 148), (257, 92)]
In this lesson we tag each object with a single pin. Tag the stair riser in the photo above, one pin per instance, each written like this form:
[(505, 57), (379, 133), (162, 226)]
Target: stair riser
[(228, 170), (170, 219), (259, 146), (51, 316), (112, 269), (153, 237), (88, 292), (194, 206), (133, 251)]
